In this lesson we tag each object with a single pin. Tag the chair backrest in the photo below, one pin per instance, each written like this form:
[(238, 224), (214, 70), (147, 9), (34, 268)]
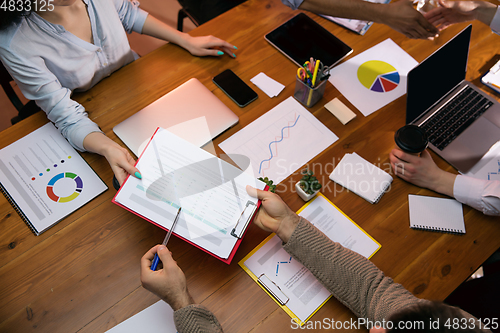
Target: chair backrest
[(203, 11), (5, 80)]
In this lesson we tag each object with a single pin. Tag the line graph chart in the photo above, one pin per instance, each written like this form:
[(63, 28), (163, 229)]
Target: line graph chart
[(280, 141), (276, 143)]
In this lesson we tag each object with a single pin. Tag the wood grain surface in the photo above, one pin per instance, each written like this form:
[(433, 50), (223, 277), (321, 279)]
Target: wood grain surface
[(82, 275)]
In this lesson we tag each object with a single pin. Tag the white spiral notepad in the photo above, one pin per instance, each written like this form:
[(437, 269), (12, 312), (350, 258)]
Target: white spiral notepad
[(436, 214), (361, 177)]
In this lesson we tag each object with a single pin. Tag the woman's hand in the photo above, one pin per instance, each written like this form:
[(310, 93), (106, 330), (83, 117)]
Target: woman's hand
[(208, 46), (118, 157)]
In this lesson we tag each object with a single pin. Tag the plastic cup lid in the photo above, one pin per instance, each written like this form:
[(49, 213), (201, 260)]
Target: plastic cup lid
[(411, 139)]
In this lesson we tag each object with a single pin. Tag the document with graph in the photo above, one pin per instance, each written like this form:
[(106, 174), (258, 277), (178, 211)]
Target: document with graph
[(212, 193), (280, 141), (45, 179), (286, 280)]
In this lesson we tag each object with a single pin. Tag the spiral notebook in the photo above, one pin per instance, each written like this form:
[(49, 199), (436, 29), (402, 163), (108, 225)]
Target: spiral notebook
[(436, 214), (45, 179), (361, 177)]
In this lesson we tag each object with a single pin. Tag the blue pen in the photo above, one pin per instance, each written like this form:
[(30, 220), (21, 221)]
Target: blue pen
[(156, 260)]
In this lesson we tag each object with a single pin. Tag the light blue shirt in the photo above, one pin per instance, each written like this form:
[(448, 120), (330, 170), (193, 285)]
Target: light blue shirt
[(48, 63), (294, 4)]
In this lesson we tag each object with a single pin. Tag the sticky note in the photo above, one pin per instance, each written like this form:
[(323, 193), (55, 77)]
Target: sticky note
[(339, 110)]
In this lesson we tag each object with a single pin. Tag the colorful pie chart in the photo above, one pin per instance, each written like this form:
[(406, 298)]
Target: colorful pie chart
[(378, 76)]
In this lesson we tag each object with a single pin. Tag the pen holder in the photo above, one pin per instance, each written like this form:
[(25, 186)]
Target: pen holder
[(307, 95)]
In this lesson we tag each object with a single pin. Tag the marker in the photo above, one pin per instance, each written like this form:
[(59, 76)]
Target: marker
[(156, 260)]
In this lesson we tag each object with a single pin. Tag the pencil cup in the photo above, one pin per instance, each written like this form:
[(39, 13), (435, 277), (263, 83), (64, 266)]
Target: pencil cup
[(307, 95)]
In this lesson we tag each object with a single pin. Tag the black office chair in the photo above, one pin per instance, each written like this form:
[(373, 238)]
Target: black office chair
[(24, 111), (200, 11)]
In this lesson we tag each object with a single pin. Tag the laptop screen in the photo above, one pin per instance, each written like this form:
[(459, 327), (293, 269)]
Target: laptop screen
[(437, 75)]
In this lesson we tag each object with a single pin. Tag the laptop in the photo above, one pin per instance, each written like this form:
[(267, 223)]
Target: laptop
[(190, 111), (462, 122)]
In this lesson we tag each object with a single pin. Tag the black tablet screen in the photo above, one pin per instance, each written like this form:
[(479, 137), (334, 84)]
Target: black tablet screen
[(301, 38)]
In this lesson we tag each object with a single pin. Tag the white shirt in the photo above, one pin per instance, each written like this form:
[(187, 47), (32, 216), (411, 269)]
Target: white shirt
[(483, 195), (495, 22), (48, 63)]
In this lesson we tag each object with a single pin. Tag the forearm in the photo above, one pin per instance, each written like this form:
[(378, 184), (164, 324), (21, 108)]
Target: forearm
[(350, 277), (355, 9), (485, 11), (97, 142), (156, 28), (444, 183)]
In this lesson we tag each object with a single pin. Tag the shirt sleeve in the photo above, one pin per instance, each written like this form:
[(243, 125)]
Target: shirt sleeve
[(131, 15), (483, 195), (294, 4), (39, 84), (196, 318), (495, 23), (351, 278)]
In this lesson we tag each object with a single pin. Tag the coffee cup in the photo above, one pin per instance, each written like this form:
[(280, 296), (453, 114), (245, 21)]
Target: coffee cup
[(411, 139)]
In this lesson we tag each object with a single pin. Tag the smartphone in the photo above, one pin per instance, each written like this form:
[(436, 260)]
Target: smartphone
[(235, 88)]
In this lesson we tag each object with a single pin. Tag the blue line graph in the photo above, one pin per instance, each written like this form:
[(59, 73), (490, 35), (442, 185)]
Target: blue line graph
[(270, 158), (282, 262), (495, 174)]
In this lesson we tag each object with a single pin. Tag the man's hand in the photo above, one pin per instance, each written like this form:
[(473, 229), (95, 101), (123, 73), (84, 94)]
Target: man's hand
[(274, 215), (168, 283), (422, 171), (402, 17)]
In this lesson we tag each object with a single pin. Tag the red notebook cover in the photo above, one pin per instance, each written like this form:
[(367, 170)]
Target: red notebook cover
[(238, 242)]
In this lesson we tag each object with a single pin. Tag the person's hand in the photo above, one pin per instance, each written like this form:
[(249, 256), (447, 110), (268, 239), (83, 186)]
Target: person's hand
[(422, 171), (118, 157), (274, 215), (451, 12), (121, 163), (169, 282), (402, 17), (208, 46)]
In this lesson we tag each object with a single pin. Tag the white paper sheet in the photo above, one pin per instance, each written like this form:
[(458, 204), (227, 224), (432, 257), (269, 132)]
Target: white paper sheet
[(159, 317), (488, 168), (271, 87), (436, 214), (304, 291), (210, 191), (386, 63), (46, 177), (280, 141)]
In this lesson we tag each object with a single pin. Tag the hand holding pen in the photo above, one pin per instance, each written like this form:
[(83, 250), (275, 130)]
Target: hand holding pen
[(156, 259)]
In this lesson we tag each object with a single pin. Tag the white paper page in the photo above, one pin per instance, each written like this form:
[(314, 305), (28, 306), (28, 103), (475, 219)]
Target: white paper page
[(280, 141), (159, 317), (436, 213), (271, 87), (46, 177), (304, 291), (361, 177), (374, 78), (210, 191), (488, 168)]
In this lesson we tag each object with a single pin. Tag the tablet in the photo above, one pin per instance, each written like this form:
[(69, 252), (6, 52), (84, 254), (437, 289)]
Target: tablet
[(301, 38)]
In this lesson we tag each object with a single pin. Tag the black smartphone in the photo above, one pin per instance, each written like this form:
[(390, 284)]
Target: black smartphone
[(235, 88)]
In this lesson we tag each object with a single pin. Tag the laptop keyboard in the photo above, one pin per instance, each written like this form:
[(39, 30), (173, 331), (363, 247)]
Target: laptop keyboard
[(446, 124)]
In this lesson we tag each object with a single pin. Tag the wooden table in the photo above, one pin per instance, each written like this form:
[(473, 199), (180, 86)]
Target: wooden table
[(83, 273)]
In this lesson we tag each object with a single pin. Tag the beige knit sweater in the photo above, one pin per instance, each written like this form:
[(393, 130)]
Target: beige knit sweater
[(351, 278)]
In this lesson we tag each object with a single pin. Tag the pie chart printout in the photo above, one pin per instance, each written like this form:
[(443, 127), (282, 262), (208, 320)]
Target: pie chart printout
[(378, 76)]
